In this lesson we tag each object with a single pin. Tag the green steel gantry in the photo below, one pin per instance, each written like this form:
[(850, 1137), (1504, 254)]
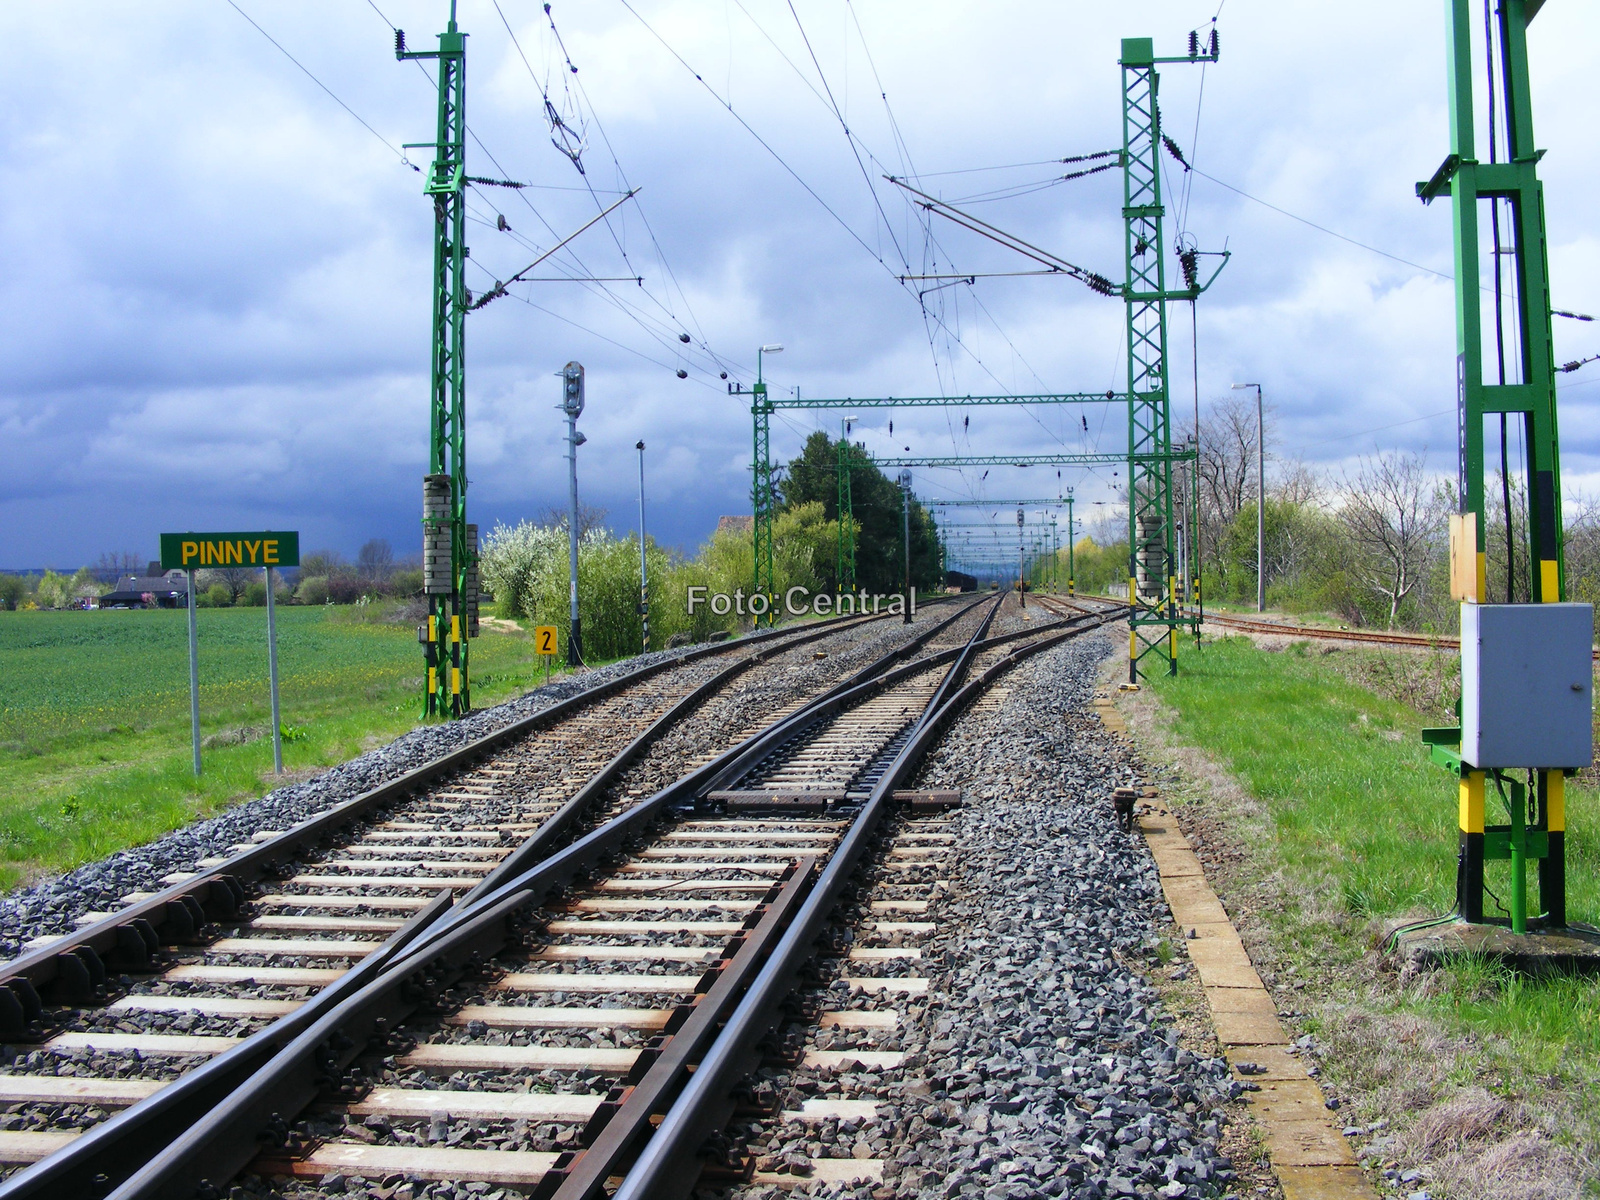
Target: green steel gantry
[(1152, 565), (449, 557), (1507, 181)]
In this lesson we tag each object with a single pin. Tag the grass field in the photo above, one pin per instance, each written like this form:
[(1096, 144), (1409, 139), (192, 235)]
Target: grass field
[(1354, 824), (94, 724)]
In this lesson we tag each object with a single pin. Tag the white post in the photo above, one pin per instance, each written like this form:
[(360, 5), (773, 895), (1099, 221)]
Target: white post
[(194, 679), (272, 678), (1261, 506), (644, 576)]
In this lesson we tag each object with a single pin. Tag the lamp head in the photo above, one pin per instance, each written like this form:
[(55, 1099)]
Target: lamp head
[(772, 348), (572, 389)]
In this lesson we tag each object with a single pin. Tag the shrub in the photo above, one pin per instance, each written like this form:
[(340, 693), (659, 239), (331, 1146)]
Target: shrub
[(313, 589), (54, 591), (217, 596), (406, 582), (255, 596), (345, 588), (13, 591)]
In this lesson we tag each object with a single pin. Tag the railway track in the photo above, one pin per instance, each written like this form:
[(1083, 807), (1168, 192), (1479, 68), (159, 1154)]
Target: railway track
[(233, 958), (1375, 637), (531, 1034)]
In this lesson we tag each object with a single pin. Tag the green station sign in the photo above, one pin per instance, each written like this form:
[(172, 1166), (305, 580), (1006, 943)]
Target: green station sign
[(196, 551)]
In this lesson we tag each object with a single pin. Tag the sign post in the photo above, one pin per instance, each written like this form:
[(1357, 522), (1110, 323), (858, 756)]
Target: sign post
[(193, 551), (194, 678), (545, 646), (272, 677)]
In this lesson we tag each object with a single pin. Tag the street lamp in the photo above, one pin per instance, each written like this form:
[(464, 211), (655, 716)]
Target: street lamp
[(572, 405), (1261, 498), (644, 577)]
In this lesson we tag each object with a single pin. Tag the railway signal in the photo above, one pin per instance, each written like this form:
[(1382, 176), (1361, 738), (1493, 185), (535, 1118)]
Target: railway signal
[(572, 405)]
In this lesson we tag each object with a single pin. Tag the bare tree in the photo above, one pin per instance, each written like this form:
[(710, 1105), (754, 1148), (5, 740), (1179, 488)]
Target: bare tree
[(375, 560), (112, 565), (235, 579), (1295, 483), (1394, 512), (589, 517)]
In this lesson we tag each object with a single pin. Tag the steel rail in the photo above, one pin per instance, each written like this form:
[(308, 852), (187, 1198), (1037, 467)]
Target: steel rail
[(667, 1166), (111, 1150), (224, 1140), (582, 1176), (75, 966)]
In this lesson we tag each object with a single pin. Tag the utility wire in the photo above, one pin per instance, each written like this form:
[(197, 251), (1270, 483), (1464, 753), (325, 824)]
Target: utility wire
[(398, 153)]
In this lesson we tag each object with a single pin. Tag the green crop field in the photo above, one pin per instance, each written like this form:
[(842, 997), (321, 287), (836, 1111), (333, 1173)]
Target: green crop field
[(94, 724)]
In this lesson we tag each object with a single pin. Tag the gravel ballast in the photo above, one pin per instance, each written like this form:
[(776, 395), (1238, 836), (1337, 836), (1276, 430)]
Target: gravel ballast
[(1040, 1062)]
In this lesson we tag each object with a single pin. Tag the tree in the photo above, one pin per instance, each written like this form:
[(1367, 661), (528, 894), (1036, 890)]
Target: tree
[(875, 504), (375, 560), (1226, 465), (112, 566), (232, 580), (1394, 513), (322, 562), (13, 591)]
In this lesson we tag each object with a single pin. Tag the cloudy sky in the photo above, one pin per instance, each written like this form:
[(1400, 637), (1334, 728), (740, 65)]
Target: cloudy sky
[(217, 266)]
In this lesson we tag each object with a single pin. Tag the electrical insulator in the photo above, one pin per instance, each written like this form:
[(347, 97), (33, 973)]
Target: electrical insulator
[(724, 375), (399, 42), (1214, 45), (1194, 43), (683, 337), (500, 223), (891, 426), (1189, 260), (682, 374)]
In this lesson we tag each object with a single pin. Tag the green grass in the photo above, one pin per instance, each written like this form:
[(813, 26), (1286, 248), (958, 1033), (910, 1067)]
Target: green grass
[(94, 724), (1362, 826)]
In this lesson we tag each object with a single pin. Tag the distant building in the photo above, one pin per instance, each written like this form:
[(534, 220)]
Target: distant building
[(735, 524), (168, 591)]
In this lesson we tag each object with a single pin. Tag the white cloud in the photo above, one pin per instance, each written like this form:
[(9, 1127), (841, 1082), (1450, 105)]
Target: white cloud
[(217, 283)]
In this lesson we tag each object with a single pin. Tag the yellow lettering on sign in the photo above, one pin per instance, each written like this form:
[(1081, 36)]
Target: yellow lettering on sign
[(269, 552), (253, 549), (234, 553), (190, 550)]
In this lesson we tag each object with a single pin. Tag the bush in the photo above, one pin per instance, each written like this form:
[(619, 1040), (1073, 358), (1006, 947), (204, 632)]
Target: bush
[(255, 596), (313, 589), (218, 596), (13, 591), (406, 582), (345, 588)]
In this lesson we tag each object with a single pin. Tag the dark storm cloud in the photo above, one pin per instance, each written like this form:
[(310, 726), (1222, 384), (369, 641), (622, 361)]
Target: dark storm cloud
[(217, 280)]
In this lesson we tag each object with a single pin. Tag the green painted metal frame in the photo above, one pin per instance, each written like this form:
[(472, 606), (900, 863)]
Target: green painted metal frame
[(447, 646), (845, 574), (1156, 610), (1514, 182)]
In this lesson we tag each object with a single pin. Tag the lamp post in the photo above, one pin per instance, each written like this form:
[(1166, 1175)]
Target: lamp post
[(572, 405), (1072, 574), (905, 535), (644, 570), (1022, 583), (1261, 498)]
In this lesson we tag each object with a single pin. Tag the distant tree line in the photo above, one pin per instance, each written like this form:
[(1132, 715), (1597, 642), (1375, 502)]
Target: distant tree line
[(323, 577), (525, 566), (1367, 544)]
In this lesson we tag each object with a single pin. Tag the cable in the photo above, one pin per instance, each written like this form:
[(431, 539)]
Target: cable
[(395, 150), (1322, 228)]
